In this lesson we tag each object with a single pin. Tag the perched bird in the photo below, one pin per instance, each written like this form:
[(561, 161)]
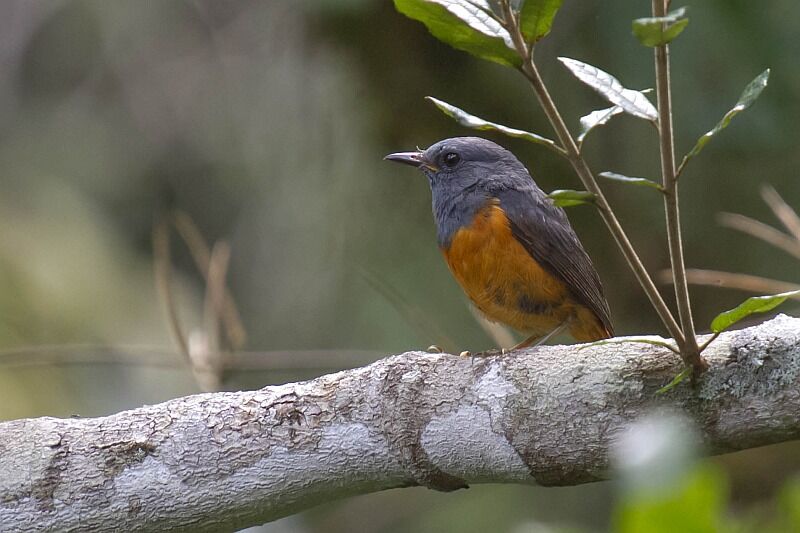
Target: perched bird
[(512, 251)]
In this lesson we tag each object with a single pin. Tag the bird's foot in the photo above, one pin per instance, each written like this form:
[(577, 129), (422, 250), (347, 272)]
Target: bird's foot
[(466, 353), (490, 353)]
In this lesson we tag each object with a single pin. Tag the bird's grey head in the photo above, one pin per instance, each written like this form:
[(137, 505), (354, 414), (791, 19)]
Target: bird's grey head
[(466, 163), (465, 173)]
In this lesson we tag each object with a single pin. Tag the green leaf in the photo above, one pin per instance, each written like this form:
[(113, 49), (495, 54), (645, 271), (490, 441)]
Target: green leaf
[(465, 25), (569, 198), (595, 119), (631, 180), (756, 304), (632, 102), (655, 31), (676, 381), (537, 17), (749, 95), (475, 123)]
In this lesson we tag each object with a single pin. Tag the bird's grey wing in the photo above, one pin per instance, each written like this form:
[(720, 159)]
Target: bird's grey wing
[(544, 231)]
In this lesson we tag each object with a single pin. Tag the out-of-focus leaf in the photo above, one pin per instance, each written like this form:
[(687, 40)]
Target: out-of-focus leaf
[(536, 18), (471, 121), (632, 102), (569, 198), (644, 182), (466, 25), (595, 119), (655, 31), (676, 381), (749, 95), (755, 304), (696, 504)]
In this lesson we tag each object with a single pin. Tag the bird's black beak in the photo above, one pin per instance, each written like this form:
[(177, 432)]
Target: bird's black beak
[(407, 158), (415, 159)]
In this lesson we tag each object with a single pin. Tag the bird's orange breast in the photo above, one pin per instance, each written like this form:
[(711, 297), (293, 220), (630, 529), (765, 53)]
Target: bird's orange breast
[(508, 285)]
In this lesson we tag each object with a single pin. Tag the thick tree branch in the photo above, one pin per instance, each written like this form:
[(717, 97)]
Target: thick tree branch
[(220, 461)]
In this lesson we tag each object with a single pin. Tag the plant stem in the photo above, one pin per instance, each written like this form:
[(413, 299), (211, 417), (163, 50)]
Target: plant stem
[(580, 166), (708, 342), (689, 349)]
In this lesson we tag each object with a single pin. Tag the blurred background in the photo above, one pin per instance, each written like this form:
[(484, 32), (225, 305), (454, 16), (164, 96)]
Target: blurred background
[(251, 135)]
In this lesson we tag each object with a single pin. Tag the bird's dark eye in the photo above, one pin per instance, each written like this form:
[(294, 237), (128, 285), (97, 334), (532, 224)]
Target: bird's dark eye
[(451, 159)]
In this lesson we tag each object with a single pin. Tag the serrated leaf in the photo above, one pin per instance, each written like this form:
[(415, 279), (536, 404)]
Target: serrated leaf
[(655, 31), (466, 25), (476, 123), (569, 198), (755, 304), (595, 119), (675, 381), (644, 182), (632, 102), (536, 18), (749, 95)]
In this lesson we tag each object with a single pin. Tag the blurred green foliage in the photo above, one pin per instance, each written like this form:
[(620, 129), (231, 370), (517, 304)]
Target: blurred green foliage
[(266, 122), (694, 504), (698, 503)]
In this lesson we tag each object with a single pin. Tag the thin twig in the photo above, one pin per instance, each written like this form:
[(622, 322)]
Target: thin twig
[(209, 363), (782, 210), (681, 166), (215, 290), (761, 231), (162, 269), (164, 357), (632, 340), (201, 254), (730, 280), (689, 349), (711, 339), (529, 70)]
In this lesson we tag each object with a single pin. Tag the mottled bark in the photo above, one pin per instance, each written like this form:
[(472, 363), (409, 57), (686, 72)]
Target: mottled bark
[(547, 415)]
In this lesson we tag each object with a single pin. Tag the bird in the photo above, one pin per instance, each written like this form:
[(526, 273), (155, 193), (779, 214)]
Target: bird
[(510, 248)]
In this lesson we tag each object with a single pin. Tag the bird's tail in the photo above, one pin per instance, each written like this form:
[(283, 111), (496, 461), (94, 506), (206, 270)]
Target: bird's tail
[(586, 327)]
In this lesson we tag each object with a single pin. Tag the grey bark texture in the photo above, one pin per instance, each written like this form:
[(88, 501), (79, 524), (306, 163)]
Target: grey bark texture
[(221, 461)]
